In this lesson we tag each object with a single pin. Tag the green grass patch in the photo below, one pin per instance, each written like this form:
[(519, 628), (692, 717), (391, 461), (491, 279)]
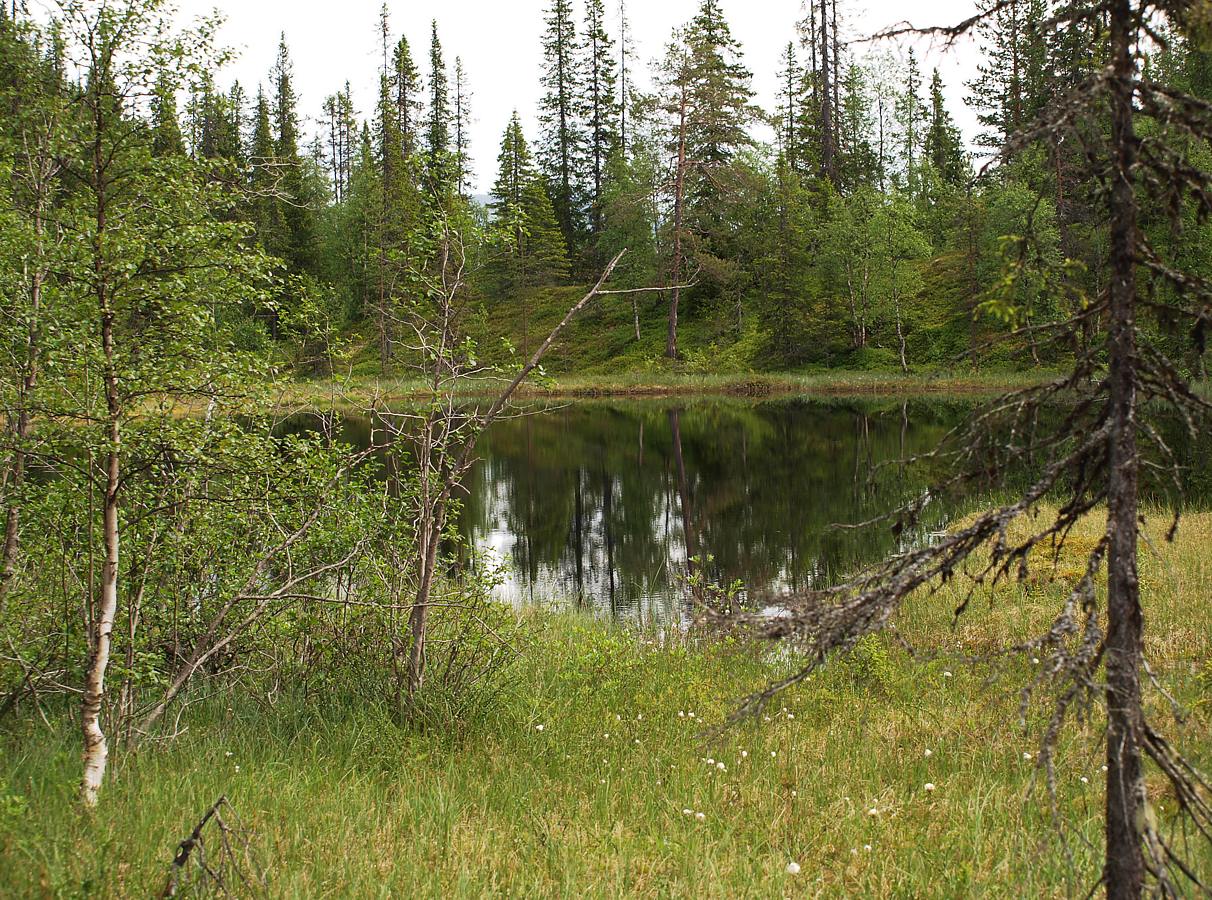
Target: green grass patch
[(577, 781)]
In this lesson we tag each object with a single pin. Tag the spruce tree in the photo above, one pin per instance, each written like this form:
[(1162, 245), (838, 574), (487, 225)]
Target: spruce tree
[(296, 211), (523, 216), (1008, 90), (562, 141), (166, 128), (909, 112), (720, 92), (790, 109), (462, 130), (944, 146), (859, 164), (266, 211), (437, 130), (341, 128), (601, 108), (406, 82)]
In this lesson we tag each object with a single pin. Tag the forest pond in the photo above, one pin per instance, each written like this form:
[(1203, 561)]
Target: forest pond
[(600, 504)]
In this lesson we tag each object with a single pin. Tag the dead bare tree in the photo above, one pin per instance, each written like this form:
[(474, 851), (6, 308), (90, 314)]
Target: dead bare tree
[(1092, 454), (443, 427)]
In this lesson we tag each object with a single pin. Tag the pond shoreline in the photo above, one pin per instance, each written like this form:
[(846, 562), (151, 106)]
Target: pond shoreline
[(366, 391)]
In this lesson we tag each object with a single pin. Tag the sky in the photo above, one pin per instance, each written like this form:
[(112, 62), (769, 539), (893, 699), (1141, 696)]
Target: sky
[(499, 42)]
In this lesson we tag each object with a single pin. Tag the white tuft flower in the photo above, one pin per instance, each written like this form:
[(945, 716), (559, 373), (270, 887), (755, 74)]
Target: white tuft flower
[(538, 728), (793, 868), (1085, 780), (946, 674), (867, 847), (795, 793), (873, 811), (700, 816), (790, 715), (744, 754), (1026, 754), (1104, 769), (606, 735), (228, 753), (637, 742), (688, 812), (710, 762), (603, 781), (639, 717), (929, 786), (681, 713), (772, 754), (237, 768), (929, 752), (721, 767), (618, 718), (1035, 660), (854, 851)]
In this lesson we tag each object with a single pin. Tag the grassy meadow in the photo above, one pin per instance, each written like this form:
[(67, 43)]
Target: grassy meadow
[(595, 773)]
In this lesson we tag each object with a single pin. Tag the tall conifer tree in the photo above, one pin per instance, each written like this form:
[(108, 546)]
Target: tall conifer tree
[(560, 116), (601, 108)]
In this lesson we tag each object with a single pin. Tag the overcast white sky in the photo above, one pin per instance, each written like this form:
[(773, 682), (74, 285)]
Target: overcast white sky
[(499, 41)]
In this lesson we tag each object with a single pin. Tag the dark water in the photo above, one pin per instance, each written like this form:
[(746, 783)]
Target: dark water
[(601, 504)]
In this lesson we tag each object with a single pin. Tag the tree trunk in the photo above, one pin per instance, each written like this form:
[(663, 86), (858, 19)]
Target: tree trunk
[(827, 148), (96, 749), (15, 477), (671, 342), (1124, 870)]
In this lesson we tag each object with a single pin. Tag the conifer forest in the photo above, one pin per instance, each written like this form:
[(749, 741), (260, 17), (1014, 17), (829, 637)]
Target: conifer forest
[(701, 490)]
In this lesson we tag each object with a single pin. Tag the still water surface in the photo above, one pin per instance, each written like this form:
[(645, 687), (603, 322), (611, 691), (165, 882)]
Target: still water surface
[(600, 505)]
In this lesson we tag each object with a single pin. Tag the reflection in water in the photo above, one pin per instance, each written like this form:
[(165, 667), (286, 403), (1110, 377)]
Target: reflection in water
[(602, 504)]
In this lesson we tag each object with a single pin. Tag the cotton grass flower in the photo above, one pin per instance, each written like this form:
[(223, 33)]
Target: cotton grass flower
[(929, 753), (1085, 780), (929, 787), (1026, 755), (873, 812), (721, 767), (702, 817), (947, 674), (688, 812), (744, 754), (538, 728), (793, 868)]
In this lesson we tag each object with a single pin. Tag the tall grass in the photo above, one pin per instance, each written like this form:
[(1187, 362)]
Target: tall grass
[(343, 802)]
